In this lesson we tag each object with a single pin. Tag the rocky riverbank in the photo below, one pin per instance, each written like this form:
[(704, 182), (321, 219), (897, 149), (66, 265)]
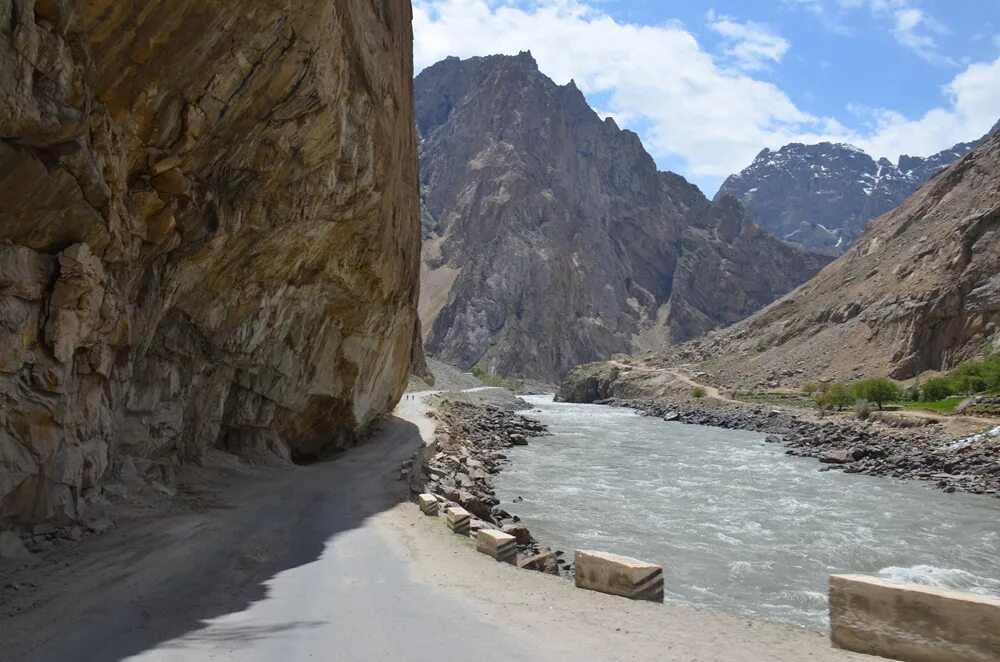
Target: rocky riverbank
[(873, 447), (471, 441)]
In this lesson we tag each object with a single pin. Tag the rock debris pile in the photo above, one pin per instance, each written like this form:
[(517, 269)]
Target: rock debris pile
[(471, 444)]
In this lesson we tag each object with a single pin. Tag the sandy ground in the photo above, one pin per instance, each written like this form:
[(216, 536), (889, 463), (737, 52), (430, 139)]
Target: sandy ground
[(332, 562)]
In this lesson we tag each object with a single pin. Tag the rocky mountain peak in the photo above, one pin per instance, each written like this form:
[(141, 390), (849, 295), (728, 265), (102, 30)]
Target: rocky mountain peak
[(822, 196), (551, 239)]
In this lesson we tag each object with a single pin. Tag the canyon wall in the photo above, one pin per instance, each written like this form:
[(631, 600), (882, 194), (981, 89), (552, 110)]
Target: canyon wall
[(209, 235), (551, 239)]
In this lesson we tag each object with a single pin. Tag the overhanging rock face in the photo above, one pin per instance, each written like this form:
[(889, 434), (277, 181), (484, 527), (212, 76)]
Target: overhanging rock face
[(209, 235)]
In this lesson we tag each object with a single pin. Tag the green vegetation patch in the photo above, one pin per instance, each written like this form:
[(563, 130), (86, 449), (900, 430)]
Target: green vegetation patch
[(965, 378), (495, 381), (946, 406)]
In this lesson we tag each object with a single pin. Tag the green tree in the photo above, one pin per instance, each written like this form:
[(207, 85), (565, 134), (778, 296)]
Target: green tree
[(938, 388), (834, 396), (878, 390)]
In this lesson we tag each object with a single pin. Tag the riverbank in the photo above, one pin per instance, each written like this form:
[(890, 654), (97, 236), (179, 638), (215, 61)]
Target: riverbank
[(582, 624), (865, 447), (474, 432), (887, 445)]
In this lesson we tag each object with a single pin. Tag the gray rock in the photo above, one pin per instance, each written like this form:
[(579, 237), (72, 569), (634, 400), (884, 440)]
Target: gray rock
[(11, 546), (822, 197), (562, 244)]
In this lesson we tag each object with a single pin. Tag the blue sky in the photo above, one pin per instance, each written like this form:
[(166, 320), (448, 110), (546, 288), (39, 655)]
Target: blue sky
[(708, 84)]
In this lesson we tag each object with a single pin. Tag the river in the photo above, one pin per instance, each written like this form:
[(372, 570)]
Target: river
[(738, 525)]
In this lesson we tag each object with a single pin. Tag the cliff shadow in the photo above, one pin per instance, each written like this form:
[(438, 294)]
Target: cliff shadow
[(167, 580)]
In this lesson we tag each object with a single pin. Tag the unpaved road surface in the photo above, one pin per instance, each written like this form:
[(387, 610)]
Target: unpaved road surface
[(330, 562)]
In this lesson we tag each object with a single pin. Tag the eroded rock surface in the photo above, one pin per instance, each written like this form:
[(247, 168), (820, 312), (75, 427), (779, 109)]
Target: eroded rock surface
[(208, 235)]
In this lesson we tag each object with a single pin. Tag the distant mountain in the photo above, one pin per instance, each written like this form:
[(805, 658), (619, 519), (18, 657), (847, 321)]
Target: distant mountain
[(822, 197), (550, 239), (919, 290)]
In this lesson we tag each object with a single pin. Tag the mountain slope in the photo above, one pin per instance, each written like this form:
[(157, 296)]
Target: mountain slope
[(822, 197), (550, 239), (919, 290)]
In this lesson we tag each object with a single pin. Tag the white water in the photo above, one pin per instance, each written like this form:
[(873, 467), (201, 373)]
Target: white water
[(738, 525)]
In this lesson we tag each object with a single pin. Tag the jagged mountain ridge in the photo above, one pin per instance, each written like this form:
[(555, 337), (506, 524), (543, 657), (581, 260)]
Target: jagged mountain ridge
[(550, 238), (920, 290), (821, 197)]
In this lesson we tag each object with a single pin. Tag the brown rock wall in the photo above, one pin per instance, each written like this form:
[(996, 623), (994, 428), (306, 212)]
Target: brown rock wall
[(208, 234)]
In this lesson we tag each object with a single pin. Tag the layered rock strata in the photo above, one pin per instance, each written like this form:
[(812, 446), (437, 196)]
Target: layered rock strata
[(208, 236)]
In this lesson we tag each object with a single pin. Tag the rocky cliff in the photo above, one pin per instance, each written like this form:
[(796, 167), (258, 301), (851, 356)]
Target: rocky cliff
[(550, 238), (208, 235), (822, 197), (920, 290)]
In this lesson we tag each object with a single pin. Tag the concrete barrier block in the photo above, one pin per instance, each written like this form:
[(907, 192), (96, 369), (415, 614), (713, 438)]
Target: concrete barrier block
[(428, 504), (911, 622), (458, 520), (501, 546), (618, 575)]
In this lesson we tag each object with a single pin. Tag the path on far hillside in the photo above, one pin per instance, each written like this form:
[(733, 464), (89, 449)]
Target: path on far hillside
[(331, 562)]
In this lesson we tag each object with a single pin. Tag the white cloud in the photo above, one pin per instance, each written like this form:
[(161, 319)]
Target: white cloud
[(687, 104), (972, 107), (910, 26), (715, 119), (815, 6), (751, 46)]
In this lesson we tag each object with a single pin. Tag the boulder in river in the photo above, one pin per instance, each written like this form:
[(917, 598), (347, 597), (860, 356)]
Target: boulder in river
[(839, 456)]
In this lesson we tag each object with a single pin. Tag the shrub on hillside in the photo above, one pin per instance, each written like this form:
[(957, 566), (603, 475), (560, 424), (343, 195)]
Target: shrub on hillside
[(878, 390), (938, 388), (493, 380), (834, 396), (968, 377), (862, 409), (698, 392)]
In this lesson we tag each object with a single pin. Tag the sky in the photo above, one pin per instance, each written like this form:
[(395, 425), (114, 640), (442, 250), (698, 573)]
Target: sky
[(707, 85)]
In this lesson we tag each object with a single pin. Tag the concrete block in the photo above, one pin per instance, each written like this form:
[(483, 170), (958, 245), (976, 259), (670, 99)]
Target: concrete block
[(618, 575), (428, 504), (501, 546), (458, 520), (911, 622)]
